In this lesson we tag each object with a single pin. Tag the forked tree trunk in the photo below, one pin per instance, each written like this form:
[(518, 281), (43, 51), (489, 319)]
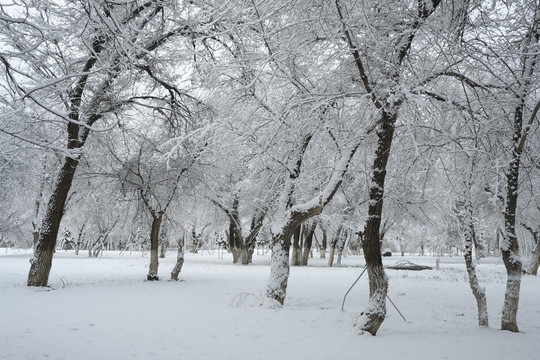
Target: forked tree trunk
[(154, 247), (41, 264)]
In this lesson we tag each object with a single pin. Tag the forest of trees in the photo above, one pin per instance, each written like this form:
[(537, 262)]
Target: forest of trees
[(147, 123)]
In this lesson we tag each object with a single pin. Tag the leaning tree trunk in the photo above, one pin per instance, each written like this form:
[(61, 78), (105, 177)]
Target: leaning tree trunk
[(154, 247), (375, 312), (179, 261), (294, 217), (276, 288), (41, 264), (469, 235)]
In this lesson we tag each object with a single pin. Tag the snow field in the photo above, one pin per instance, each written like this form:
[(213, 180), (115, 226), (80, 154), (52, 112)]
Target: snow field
[(102, 308)]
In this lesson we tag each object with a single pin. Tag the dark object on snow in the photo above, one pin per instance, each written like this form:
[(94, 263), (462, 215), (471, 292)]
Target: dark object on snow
[(407, 265), (387, 252)]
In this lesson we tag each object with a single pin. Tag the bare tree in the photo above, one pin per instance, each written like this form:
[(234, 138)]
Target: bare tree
[(382, 81)]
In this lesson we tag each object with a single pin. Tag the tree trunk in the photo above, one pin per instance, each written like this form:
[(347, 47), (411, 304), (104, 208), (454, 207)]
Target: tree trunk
[(510, 245), (510, 253), (534, 261), (251, 250), (179, 261), (244, 254), (276, 288), (154, 247), (375, 313), (469, 235), (324, 243), (308, 241), (341, 246), (163, 250), (297, 251), (79, 239), (41, 264)]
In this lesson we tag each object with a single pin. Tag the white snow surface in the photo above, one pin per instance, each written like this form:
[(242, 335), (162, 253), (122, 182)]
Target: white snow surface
[(102, 308)]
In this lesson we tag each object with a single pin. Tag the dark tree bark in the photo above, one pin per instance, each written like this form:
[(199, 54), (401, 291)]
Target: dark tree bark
[(42, 262), (296, 245), (154, 247), (375, 313), (308, 241), (388, 106), (241, 248)]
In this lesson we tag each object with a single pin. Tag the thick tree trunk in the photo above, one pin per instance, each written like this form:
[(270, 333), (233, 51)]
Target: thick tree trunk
[(154, 247), (251, 250), (179, 261), (41, 264), (375, 313), (244, 254), (276, 288)]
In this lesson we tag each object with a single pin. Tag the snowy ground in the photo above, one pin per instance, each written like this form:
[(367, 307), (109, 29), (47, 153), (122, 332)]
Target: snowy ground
[(102, 308)]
